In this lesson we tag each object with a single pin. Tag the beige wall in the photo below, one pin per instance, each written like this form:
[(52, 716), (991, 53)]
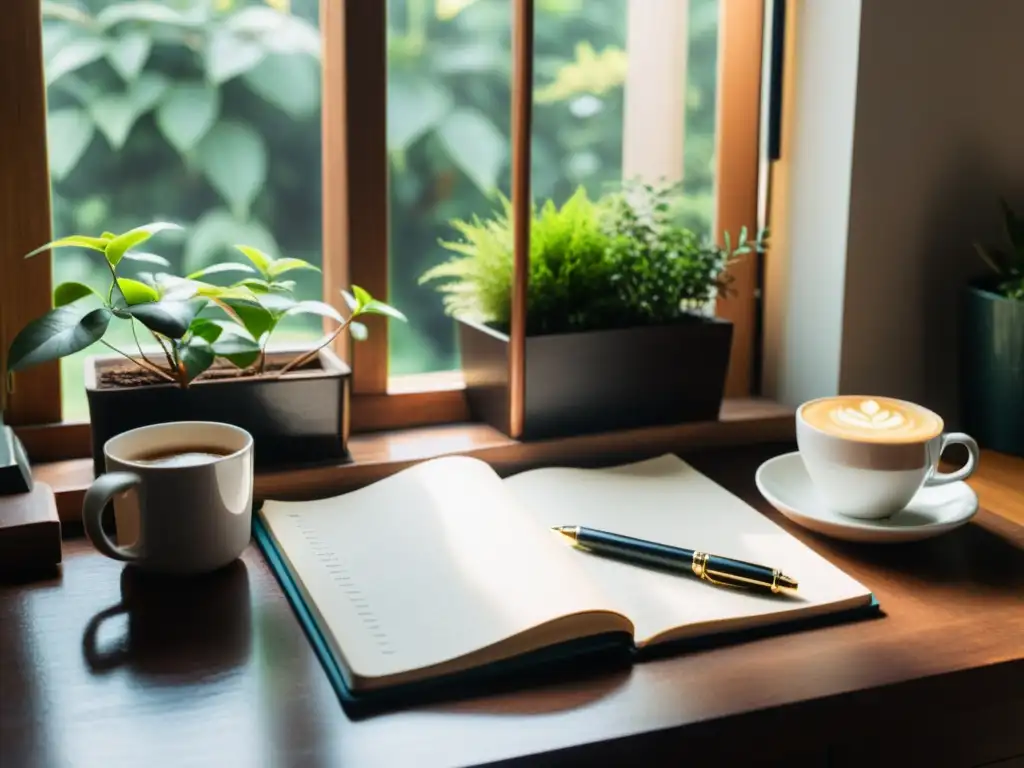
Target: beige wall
[(938, 134)]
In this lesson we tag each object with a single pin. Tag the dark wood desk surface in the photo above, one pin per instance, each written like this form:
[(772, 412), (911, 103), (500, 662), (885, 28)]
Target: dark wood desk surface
[(221, 674)]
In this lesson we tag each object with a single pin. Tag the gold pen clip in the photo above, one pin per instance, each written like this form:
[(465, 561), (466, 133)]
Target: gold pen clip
[(700, 568)]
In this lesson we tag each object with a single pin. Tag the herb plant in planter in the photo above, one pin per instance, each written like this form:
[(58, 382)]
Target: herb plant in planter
[(992, 345), (618, 332), (209, 358)]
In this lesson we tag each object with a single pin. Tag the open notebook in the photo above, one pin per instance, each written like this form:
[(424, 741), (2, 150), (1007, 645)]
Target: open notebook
[(445, 568)]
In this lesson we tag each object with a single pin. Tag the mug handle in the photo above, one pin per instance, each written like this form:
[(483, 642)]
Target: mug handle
[(102, 490), (956, 438)]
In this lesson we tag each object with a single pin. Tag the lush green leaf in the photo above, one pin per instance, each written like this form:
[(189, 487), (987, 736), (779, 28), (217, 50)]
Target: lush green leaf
[(218, 269), (280, 32), (197, 356), (116, 113), (289, 82), (68, 133), (59, 333), (147, 258), (282, 286), (315, 308), (205, 328), (475, 145), (72, 241), (233, 158), (280, 266), (52, 9), (143, 11), (358, 331), (228, 55), (241, 351), (375, 307), (68, 293), (187, 113), (116, 248), (254, 317), (135, 292), (128, 53), (415, 106), (259, 259), (73, 56), (168, 317), (255, 284), (363, 296)]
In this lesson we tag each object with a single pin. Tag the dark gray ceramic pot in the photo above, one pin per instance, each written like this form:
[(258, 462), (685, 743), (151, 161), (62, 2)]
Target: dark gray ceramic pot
[(992, 369), (601, 381), (298, 419)]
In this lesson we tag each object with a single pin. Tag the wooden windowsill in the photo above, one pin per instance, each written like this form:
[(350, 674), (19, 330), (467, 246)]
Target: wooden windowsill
[(377, 455)]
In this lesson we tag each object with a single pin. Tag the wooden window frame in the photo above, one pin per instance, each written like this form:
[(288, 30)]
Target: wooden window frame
[(355, 224)]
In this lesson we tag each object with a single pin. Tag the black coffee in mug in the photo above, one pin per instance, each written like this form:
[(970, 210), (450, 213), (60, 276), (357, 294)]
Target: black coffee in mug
[(190, 456)]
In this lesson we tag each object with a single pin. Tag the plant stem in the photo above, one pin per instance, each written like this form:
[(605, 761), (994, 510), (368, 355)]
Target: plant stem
[(138, 344), (146, 366), (306, 356), (113, 276), (167, 354)]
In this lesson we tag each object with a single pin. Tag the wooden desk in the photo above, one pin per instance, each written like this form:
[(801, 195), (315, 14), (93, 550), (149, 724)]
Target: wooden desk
[(222, 675)]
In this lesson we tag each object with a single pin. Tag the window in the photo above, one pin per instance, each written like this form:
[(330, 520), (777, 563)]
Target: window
[(204, 114), (296, 125), (448, 104)]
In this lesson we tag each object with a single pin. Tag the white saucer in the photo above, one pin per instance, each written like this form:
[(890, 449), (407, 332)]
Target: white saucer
[(783, 481)]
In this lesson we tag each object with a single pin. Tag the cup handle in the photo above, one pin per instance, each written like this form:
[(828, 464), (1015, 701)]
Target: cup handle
[(956, 438), (102, 490)]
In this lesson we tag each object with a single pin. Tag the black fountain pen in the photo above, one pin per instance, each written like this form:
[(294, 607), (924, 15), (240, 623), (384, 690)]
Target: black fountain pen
[(722, 571)]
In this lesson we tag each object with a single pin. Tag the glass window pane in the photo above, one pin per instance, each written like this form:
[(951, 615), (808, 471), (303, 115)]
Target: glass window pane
[(449, 79), (205, 113), (449, 86)]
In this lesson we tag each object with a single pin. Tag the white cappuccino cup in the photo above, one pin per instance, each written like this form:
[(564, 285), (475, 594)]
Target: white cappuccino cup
[(867, 456)]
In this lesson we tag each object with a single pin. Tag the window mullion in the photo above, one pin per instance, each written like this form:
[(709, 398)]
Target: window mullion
[(25, 208), (522, 108), (355, 172), (736, 169)]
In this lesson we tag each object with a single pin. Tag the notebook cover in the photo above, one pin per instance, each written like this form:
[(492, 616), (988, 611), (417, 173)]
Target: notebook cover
[(547, 665)]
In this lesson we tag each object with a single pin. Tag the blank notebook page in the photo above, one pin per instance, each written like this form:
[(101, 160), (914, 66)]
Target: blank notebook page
[(668, 501), (425, 566)]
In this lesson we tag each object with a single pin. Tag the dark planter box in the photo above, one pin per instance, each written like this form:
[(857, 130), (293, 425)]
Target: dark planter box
[(298, 419), (992, 370), (601, 381)]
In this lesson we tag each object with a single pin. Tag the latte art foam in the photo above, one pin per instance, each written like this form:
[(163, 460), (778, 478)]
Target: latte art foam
[(867, 415), (873, 419)]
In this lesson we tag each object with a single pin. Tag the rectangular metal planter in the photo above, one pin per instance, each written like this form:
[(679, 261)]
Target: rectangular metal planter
[(601, 381), (298, 419)]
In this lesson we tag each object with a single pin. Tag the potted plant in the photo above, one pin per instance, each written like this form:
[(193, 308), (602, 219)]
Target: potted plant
[(617, 329), (209, 358), (992, 345)]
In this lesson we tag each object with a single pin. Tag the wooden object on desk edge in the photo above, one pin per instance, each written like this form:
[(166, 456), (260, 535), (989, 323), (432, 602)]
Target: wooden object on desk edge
[(29, 530)]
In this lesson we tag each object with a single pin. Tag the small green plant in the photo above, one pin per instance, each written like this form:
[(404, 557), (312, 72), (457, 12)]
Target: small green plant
[(617, 262), (193, 322), (1008, 266)]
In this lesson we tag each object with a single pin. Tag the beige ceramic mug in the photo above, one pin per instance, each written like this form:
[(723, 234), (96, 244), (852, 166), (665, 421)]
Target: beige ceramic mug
[(182, 496)]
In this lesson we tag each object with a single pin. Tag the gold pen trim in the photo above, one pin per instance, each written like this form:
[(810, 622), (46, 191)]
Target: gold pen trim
[(699, 565)]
